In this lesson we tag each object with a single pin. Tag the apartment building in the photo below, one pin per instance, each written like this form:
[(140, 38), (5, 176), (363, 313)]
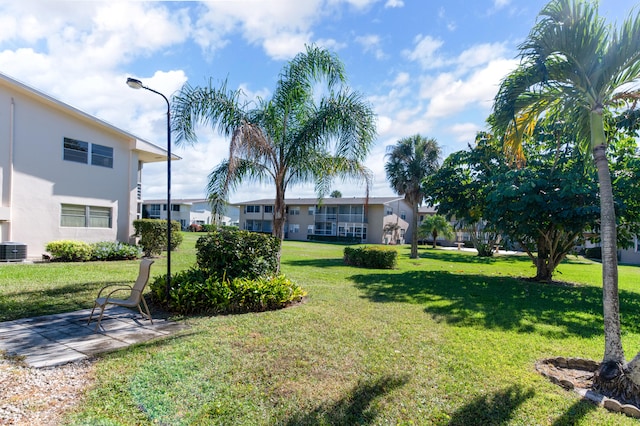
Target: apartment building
[(376, 220)]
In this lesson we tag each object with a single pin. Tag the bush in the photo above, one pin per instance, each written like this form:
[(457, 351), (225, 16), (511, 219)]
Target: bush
[(593, 253), (153, 235), (69, 251), (193, 292), (109, 250), (230, 252), (379, 257)]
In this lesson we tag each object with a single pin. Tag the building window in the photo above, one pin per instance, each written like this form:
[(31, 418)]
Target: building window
[(252, 209), (310, 229), (175, 207), (312, 211), (294, 228), (101, 156), (388, 211), (268, 209), (75, 150), (79, 152), (403, 215), (154, 211), (294, 211), (77, 216)]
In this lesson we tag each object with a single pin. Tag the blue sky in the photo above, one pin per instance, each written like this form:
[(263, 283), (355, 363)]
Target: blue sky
[(426, 66)]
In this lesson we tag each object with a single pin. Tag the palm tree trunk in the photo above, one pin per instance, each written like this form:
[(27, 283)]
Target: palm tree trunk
[(279, 214), (414, 232), (613, 352)]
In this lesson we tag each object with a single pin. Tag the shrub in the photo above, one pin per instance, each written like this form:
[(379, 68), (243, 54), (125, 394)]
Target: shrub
[(231, 252), (153, 235), (379, 257), (193, 292), (69, 251), (593, 253), (109, 250)]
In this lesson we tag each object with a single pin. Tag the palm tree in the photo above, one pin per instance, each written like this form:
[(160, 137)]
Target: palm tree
[(391, 228), (336, 194), (411, 160), (576, 65), (297, 136), (435, 225)]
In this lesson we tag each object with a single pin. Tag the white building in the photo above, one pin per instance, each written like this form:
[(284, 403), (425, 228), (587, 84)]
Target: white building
[(366, 220), (188, 211), (65, 174)]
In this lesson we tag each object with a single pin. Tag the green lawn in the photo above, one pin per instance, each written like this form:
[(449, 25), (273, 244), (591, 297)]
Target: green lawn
[(449, 338)]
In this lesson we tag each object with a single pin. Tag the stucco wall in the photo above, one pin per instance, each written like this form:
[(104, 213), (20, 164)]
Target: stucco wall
[(41, 180)]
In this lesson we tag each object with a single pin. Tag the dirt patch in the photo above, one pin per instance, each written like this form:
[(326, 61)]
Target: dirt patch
[(577, 374)]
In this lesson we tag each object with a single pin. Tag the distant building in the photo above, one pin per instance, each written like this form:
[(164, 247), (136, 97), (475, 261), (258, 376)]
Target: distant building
[(65, 174), (191, 211), (309, 218)]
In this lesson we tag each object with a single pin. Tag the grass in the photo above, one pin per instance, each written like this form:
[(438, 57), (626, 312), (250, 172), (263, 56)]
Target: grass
[(447, 339)]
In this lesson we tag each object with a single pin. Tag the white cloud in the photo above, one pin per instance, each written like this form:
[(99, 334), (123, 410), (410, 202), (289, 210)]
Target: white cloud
[(464, 132), (425, 51), (371, 43), (394, 3), (281, 27)]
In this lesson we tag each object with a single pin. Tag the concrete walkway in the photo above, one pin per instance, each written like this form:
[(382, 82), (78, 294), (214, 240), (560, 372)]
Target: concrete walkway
[(52, 340)]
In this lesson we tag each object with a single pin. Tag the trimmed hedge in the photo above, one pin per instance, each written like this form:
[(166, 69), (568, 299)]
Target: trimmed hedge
[(109, 250), (593, 253), (230, 252), (69, 251), (79, 251), (192, 292), (375, 257), (153, 235)]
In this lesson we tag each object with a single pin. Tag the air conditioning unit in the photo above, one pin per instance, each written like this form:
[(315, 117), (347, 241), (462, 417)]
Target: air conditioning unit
[(11, 252)]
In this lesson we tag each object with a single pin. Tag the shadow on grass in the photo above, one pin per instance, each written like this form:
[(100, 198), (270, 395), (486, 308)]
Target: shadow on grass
[(500, 302), (353, 409), (495, 409), (316, 263), (66, 298), (576, 412)]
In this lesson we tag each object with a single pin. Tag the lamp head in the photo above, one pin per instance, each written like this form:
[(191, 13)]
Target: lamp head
[(134, 84)]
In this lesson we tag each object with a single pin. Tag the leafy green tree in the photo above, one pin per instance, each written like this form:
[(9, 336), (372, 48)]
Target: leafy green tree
[(313, 129), (460, 187), (547, 205), (336, 194), (409, 162), (574, 62), (435, 225)]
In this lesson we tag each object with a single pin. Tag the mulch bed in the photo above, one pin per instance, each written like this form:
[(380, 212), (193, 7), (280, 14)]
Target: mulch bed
[(577, 374)]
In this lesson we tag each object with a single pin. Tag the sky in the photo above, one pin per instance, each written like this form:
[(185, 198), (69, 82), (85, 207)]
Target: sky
[(428, 67)]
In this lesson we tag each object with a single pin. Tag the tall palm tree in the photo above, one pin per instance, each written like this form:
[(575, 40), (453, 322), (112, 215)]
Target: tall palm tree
[(300, 135), (576, 64), (411, 160), (435, 225)]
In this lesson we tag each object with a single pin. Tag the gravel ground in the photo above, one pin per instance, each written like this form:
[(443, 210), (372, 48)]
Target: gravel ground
[(39, 396)]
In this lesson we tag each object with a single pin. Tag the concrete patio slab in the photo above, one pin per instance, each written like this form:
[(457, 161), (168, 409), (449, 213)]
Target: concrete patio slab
[(52, 340)]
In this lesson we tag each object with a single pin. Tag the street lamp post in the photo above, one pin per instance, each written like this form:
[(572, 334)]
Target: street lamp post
[(137, 84)]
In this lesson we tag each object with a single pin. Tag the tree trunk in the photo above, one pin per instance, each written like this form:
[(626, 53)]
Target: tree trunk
[(434, 234), (414, 231), (611, 366), (279, 219)]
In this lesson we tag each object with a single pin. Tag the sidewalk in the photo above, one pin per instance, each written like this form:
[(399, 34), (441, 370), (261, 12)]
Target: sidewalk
[(52, 340)]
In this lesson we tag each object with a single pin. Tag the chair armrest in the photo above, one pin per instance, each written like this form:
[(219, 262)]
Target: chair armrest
[(119, 288)]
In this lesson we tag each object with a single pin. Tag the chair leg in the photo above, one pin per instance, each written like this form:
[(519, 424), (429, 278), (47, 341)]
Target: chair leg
[(91, 316), (146, 308), (100, 317)]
